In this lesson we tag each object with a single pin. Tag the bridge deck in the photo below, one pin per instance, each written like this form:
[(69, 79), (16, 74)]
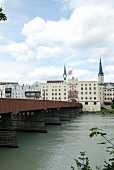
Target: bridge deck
[(18, 105)]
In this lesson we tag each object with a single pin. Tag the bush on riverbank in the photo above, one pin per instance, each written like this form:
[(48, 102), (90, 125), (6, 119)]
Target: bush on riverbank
[(112, 105), (107, 103)]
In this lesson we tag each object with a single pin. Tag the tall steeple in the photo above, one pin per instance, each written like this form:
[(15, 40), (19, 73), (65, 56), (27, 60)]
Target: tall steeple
[(100, 74), (100, 68), (64, 74)]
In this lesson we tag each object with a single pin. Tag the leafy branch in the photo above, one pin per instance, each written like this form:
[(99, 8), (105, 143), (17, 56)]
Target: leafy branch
[(83, 162), (2, 15)]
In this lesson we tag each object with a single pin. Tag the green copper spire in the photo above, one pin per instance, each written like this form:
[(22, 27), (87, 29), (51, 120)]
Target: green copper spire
[(100, 68)]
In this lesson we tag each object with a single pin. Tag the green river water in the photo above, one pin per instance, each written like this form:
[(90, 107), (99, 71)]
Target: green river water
[(57, 149)]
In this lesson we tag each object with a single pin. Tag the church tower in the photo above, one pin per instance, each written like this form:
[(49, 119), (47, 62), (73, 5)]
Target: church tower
[(64, 74), (100, 74)]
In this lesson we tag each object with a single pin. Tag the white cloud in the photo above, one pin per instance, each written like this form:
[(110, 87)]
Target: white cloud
[(109, 69), (80, 3), (1, 38), (109, 78), (18, 50), (2, 2), (9, 77), (81, 40), (83, 75), (39, 31), (90, 28), (52, 73), (89, 31), (46, 52), (45, 73)]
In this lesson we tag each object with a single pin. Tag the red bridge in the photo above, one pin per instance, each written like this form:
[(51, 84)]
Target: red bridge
[(32, 115), (18, 105)]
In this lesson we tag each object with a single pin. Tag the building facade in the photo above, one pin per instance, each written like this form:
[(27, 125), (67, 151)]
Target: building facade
[(15, 90), (92, 94), (89, 93), (108, 89), (54, 90)]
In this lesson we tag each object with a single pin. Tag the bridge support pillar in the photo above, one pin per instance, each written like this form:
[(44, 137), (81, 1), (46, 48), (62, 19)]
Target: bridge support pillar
[(72, 112), (31, 121), (7, 133), (51, 117), (64, 114), (80, 109)]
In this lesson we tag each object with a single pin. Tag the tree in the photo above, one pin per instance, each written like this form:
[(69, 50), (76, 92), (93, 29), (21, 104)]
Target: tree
[(2, 15), (83, 162)]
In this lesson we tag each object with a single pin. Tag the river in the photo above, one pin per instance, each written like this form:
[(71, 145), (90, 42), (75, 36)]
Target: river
[(57, 149)]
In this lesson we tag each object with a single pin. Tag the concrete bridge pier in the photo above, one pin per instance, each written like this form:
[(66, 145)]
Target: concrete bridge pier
[(7, 134), (51, 117), (72, 112), (64, 114), (31, 121), (78, 110)]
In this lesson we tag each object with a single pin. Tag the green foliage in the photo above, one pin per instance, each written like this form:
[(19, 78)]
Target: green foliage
[(107, 103), (112, 105), (2, 15), (83, 162), (96, 131), (113, 100)]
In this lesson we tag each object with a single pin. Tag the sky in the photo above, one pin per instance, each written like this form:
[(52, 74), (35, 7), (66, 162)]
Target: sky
[(41, 36)]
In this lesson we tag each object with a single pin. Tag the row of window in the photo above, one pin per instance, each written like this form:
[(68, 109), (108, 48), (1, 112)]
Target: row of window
[(54, 87), (53, 90), (95, 103), (54, 94), (55, 98), (109, 94), (108, 90), (89, 92), (65, 90), (72, 86), (108, 98), (88, 88), (90, 98), (87, 84)]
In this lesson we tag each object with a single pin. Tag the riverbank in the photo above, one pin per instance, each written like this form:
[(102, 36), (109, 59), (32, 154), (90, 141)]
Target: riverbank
[(104, 112)]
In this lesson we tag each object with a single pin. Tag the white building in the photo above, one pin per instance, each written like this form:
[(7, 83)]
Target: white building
[(15, 90), (89, 93), (108, 89), (54, 90), (2, 90)]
